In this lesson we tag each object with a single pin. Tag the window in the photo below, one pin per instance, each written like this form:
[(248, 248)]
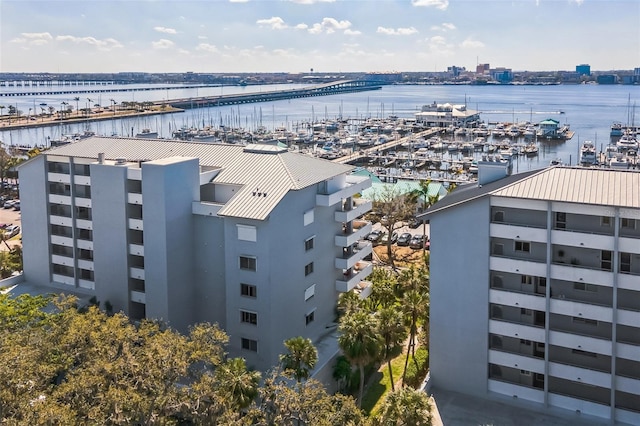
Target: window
[(606, 260), (496, 341), (250, 345), (498, 249), (308, 268), (525, 372), (247, 233), (625, 262), (498, 216), (308, 243), (310, 292), (308, 217), (584, 353), (248, 290), (249, 317), (523, 246), (628, 223), (495, 370), (248, 263), (526, 279), (525, 342), (497, 281), (310, 317), (605, 221), (561, 220), (525, 311)]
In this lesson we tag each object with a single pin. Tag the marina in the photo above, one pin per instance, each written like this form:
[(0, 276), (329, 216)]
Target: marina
[(382, 130)]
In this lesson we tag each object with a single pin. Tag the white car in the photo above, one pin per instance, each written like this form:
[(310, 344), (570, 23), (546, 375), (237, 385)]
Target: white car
[(11, 231)]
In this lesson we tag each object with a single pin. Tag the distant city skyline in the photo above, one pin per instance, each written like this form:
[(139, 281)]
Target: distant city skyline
[(320, 35)]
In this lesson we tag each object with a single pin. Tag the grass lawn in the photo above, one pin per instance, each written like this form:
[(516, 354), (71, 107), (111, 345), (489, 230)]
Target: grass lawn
[(380, 383)]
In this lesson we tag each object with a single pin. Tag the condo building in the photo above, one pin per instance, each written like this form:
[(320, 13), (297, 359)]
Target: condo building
[(255, 238), (535, 291)]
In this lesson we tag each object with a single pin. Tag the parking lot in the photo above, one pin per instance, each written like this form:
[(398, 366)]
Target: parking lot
[(10, 217), (404, 229)]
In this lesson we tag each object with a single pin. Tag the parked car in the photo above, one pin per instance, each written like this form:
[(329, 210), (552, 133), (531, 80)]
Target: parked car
[(385, 238), (417, 241), (9, 204), (16, 205), (375, 236), (11, 231), (404, 239), (414, 222)]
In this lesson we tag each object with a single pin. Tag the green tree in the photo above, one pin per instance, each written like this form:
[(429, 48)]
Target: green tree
[(359, 342), (415, 301), (405, 406), (383, 286), (392, 331), (237, 383), (300, 359)]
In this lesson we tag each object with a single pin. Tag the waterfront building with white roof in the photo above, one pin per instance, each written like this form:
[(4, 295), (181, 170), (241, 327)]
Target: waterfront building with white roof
[(535, 291), (255, 238)]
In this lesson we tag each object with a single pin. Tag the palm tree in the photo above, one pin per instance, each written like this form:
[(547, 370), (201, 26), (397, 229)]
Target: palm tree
[(415, 302), (405, 406), (2, 107), (77, 99), (359, 342), (300, 358), (238, 384), (422, 193), (392, 331)]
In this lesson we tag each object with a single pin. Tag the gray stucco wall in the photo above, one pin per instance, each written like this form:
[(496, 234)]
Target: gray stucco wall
[(168, 189), (459, 297), (34, 214), (109, 213)]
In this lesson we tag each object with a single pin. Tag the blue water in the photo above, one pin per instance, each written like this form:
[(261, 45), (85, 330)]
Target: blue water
[(589, 110)]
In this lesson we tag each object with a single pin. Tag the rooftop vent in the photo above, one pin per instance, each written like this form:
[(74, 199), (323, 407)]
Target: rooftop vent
[(121, 161), (264, 149)]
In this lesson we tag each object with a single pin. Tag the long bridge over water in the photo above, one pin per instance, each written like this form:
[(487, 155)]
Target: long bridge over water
[(334, 88)]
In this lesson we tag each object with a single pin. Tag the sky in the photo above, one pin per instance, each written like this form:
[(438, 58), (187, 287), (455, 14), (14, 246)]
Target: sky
[(326, 36)]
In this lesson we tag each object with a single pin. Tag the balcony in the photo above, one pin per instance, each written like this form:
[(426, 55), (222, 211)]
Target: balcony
[(580, 374), (354, 185), (58, 177), (133, 198), (519, 331), (82, 180), (84, 244), (353, 277), (363, 289), (136, 224), (136, 249), (581, 240), (576, 273), (62, 241), (83, 202), (362, 250), (521, 392), (134, 173), (204, 208), (60, 199), (630, 318), (628, 384), (519, 300), (579, 309), (138, 296), (63, 279), (85, 264), (60, 220), (346, 240), (576, 341), (525, 233), (62, 260), (84, 224), (579, 405), (524, 267), (136, 273), (86, 284), (521, 362), (348, 215), (628, 351)]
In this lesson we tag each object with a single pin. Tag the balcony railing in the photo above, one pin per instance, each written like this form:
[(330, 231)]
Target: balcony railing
[(354, 185), (348, 281), (357, 211), (363, 249)]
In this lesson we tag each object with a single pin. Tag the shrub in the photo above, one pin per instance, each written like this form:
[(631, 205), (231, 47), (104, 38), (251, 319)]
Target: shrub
[(415, 375)]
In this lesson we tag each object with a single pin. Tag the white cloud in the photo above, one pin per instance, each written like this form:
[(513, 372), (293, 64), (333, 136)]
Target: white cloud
[(201, 37), (438, 4), (34, 39), (472, 44), (106, 44), (206, 47), (444, 27), (438, 45), (578, 2), (165, 30), (162, 44), (351, 32), (275, 22), (311, 1), (301, 27), (398, 31), (329, 25)]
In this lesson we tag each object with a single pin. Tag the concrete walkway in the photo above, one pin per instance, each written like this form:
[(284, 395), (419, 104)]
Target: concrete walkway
[(455, 409)]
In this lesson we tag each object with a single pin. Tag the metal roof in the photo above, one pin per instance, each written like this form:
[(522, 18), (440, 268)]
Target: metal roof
[(265, 173), (582, 185)]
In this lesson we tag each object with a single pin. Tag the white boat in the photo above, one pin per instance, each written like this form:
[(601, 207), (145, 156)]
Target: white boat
[(531, 149), (627, 141), (619, 162), (147, 134), (588, 155)]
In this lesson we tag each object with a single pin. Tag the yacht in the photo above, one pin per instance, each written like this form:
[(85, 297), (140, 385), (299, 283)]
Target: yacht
[(588, 154)]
